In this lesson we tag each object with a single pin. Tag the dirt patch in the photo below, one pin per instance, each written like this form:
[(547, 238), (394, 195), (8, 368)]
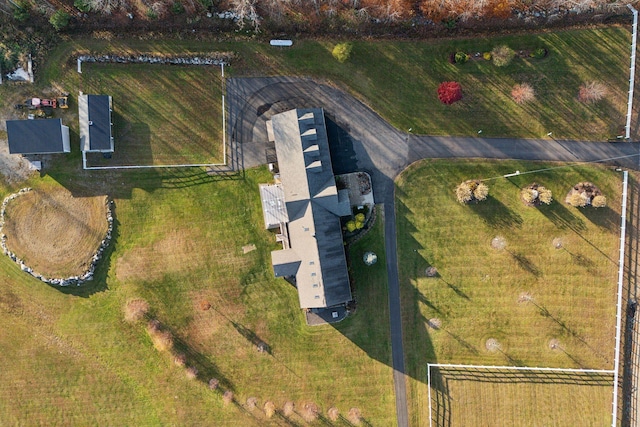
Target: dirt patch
[(55, 233)]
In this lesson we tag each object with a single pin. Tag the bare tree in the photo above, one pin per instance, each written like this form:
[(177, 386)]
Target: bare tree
[(214, 384), (355, 416), (592, 92), (135, 310), (252, 402), (245, 11), (227, 397), (192, 372), (333, 413), (310, 412), (289, 408), (269, 409)]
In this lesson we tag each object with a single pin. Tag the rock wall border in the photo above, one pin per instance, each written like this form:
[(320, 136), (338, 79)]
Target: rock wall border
[(222, 58), (68, 281)]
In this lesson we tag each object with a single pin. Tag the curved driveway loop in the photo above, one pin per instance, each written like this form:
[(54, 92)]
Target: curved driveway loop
[(384, 152)]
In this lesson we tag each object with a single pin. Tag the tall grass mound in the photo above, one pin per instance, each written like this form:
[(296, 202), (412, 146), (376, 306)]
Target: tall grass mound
[(55, 233)]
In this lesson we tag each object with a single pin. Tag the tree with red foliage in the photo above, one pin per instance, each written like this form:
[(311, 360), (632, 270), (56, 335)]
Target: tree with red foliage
[(449, 92)]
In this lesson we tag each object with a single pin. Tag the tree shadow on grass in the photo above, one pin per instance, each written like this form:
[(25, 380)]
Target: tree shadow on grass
[(496, 214), (562, 217), (603, 217), (525, 263), (207, 369)]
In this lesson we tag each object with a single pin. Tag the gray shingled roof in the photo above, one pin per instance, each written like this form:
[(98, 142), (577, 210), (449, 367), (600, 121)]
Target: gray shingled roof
[(94, 113), (316, 253), (37, 136)]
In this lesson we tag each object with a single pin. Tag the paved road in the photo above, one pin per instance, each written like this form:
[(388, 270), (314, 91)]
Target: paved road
[(384, 152)]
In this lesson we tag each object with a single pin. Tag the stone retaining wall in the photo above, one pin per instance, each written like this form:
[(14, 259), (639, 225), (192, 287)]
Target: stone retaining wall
[(72, 280), (217, 59)]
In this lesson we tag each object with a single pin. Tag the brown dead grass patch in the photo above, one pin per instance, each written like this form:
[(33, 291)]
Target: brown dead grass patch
[(176, 251), (55, 233)]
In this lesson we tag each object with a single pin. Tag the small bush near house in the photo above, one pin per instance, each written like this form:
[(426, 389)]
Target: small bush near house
[(502, 55), (449, 92), (342, 51)]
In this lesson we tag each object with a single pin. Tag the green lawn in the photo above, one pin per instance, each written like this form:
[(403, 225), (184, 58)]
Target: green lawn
[(398, 79), (72, 360), (541, 400), (481, 293), (163, 114)]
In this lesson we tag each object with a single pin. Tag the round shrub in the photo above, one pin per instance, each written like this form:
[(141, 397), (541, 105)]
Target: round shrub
[(461, 57), (342, 51), (351, 226), (449, 92), (502, 55), (599, 202), (522, 93), (538, 53), (487, 56)]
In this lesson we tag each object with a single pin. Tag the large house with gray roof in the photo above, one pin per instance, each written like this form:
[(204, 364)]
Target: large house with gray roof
[(306, 206), (38, 136)]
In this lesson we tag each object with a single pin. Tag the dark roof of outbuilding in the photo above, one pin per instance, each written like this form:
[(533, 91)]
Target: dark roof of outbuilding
[(95, 122), (35, 136)]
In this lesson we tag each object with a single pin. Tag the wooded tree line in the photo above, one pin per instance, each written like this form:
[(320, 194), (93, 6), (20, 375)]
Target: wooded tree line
[(382, 10)]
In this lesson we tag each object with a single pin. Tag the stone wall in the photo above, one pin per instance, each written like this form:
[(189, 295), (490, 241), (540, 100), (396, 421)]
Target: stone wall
[(67, 281), (216, 59)]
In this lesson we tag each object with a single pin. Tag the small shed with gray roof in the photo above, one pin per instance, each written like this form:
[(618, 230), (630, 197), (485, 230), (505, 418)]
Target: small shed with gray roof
[(94, 113)]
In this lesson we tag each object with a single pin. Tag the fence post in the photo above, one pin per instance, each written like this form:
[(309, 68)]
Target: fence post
[(627, 128)]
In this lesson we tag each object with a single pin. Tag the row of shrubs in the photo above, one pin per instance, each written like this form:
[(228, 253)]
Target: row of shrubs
[(136, 310), (581, 195), (501, 55), (589, 92)]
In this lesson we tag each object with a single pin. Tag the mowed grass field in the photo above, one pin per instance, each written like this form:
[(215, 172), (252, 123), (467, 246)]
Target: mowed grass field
[(399, 79), (163, 114), (523, 296), (538, 400), (71, 359)]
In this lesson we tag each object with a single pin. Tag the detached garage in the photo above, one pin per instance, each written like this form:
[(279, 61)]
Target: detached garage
[(48, 136)]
